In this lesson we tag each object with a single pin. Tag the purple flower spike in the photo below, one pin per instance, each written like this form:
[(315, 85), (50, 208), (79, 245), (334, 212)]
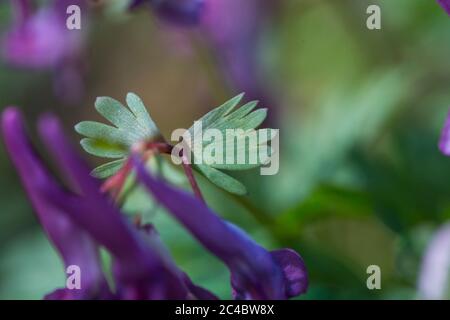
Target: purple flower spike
[(255, 272), (445, 4), (434, 274), (185, 12), (74, 245), (444, 142)]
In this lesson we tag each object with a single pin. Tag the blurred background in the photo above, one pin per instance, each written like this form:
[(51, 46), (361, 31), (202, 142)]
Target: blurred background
[(361, 180)]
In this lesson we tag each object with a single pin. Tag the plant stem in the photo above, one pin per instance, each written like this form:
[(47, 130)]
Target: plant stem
[(190, 175), (164, 147)]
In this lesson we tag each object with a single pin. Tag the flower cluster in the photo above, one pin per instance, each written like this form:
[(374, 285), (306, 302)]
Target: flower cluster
[(78, 218)]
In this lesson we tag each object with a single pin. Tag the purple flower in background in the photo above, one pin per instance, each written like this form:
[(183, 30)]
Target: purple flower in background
[(235, 28), (39, 39), (444, 142), (445, 4), (79, 218), (434, 273), (255, 272), (185, 12)]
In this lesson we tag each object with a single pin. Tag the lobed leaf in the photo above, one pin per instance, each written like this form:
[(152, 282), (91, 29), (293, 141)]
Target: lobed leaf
[(101, 131), (120, 116), (140, 111)]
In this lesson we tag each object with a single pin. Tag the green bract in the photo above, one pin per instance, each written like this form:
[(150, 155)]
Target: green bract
[(134, 124)]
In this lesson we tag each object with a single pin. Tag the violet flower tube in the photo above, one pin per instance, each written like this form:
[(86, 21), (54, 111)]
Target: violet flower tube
[(75, 246), (182, 12), (255, 272), (79, 220)]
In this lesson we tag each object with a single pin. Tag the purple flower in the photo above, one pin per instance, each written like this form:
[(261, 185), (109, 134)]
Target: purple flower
[(434, 273), (75, 246), (255, 272), (40, 40), (235, 29), (78, 219), (185, 12), (444, 142), (445, 4)]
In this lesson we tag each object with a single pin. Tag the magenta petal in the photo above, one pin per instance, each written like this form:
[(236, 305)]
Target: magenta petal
[(184, 12), (42, 41), (294, 270)]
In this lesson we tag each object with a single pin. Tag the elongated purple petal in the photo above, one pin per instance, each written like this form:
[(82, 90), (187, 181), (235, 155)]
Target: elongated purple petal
[(434, 273), (444, 142), (256, 273), (196, 292), (445, 4), (74, 245)]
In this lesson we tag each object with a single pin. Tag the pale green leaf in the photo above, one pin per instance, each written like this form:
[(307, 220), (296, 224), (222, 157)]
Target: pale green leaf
[(211, 117), (221, 179), (103, 149), (140, 111), (120, 116), (108, 169), (101, 131)]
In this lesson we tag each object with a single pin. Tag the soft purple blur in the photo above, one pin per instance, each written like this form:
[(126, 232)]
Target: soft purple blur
[(234, 29), (435, 269), (184, 12), (74, 245), (39, 39)]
